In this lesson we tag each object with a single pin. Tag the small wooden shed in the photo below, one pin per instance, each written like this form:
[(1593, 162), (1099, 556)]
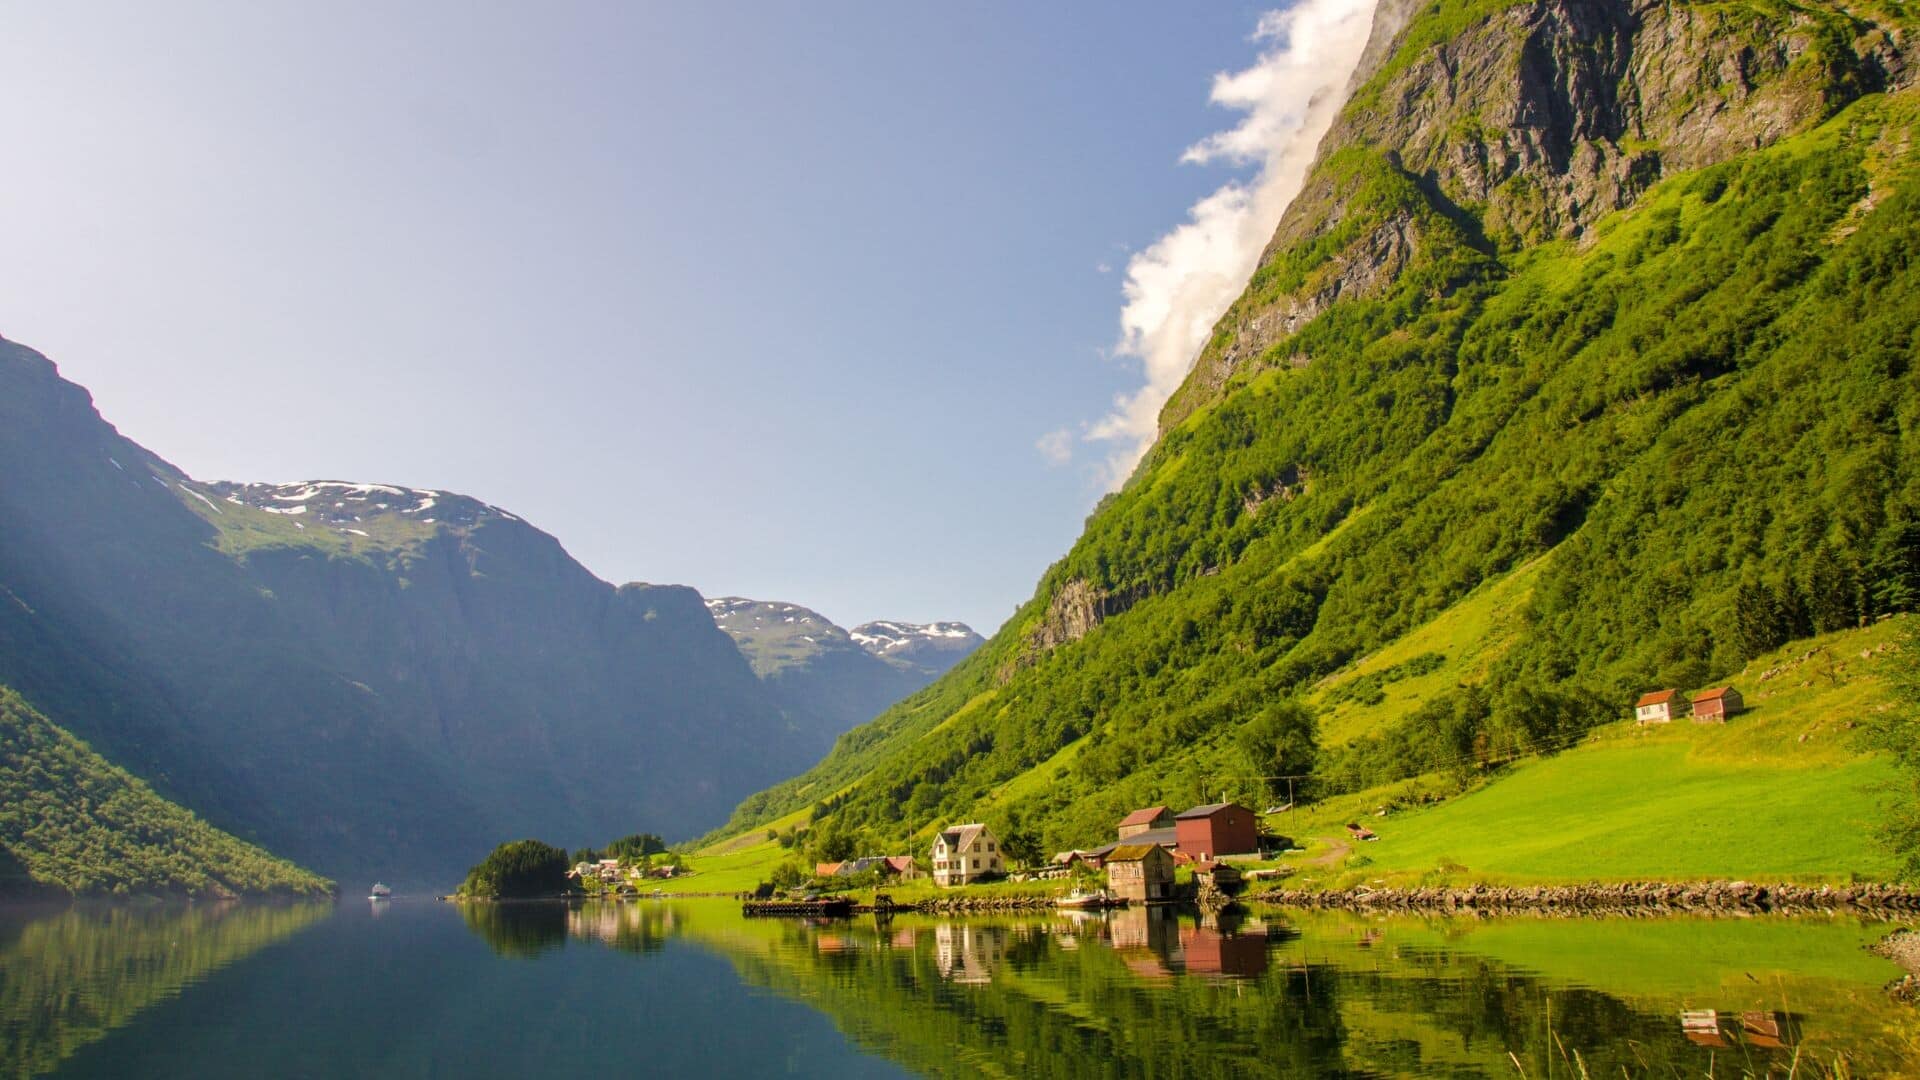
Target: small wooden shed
[(1140, 872), (1715, 705)]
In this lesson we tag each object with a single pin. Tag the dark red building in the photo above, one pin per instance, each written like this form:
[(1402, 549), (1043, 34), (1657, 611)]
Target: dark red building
[(1215, 829)]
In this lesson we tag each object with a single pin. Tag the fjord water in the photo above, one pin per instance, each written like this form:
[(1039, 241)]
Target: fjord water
[(691, 988)]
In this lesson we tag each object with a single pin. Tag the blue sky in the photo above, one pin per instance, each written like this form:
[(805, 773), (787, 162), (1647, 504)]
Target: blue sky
[(774, 301)]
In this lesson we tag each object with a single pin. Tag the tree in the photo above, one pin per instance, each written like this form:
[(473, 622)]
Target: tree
[(1021, 845), (1280, 741)]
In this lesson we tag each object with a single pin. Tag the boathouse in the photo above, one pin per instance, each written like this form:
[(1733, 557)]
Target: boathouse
[(1142, 873)]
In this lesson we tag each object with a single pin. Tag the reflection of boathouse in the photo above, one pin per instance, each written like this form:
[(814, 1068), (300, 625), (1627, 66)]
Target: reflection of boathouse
[(967, 953), (1147, 938)]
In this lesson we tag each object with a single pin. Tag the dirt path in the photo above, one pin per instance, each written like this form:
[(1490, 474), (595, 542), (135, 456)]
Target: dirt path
[(1341, 849)]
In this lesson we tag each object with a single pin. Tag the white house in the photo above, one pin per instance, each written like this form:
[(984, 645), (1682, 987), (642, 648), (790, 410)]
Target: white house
[(964, 854), (1659, 707)]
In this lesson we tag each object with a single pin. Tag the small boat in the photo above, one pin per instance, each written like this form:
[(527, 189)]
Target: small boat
[(380, 892), (1089, 901)]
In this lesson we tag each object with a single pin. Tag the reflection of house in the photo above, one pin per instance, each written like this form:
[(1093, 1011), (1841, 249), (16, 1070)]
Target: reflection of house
[(1152, 817), (1715, 705), (1659, 707), (1141, 872), (1147, 938), (1767, 1030), (1702, 1027), (965, 952), (964, 854), (1207, 951), (1216, 829)]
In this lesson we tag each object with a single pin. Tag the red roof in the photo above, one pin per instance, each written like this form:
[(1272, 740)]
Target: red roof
[(1712, 695), (1658, 697), (902, 864), (1143, 817), (826, 869)]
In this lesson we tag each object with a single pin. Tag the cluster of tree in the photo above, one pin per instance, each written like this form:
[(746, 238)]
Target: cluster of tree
[(71, 821), (1696, 425), (633, 849), (521, 869)]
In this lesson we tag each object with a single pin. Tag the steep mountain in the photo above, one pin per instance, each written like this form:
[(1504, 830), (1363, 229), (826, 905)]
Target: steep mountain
[(827, 680), (1582, 364), (71, 823), (366, 678)]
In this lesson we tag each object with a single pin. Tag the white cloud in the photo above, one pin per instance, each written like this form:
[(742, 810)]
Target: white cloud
[(1180, 285), (1056, 446)]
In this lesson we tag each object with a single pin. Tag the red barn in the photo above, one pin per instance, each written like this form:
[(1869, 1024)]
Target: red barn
[(1215, 829)]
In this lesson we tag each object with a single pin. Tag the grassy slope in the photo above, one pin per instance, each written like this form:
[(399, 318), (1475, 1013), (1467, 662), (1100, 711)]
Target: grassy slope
[(1781, 792), (74, 822)]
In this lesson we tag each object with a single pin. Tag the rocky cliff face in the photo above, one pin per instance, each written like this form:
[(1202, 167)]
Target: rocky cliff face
[(1493, 126), (364, 677)]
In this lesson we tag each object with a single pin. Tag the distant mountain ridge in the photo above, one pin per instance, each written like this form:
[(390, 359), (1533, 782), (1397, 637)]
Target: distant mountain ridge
[(828, 679), (367, 678)]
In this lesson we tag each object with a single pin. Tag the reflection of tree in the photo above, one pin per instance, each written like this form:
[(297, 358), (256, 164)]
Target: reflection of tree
[(68, 978), (525, 929)]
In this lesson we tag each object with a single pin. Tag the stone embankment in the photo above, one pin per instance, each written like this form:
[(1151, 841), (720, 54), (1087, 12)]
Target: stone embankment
[(960, 905), (1648, 897), (1903, 948)]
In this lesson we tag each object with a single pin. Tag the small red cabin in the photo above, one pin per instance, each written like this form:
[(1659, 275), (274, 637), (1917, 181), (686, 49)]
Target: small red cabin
[(1715, 705), (1216, 829)]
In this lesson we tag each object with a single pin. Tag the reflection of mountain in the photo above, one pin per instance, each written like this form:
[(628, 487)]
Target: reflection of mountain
[(67, 978)]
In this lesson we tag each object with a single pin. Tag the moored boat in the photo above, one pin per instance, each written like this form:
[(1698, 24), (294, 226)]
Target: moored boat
[(380, 892), (1090, 901)]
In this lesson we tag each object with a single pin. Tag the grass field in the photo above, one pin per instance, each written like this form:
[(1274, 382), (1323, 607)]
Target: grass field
[(1783, 792)]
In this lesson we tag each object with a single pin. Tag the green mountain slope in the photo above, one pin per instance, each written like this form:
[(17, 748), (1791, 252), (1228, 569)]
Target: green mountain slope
[(373, 680), (1584, 360), (71, 822)]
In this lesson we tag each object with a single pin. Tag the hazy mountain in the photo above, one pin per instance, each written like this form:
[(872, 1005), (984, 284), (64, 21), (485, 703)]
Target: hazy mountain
[(368, 678)]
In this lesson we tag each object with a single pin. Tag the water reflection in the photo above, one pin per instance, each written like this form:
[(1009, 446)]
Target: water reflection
[(1166, 992), (69, 976), (518, 929)]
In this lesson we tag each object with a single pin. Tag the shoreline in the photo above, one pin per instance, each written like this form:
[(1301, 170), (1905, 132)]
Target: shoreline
[(1650, 897)]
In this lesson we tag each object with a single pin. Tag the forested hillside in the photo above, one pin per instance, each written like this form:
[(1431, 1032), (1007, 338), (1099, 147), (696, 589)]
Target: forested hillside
[(72, 823), (1586, 356)]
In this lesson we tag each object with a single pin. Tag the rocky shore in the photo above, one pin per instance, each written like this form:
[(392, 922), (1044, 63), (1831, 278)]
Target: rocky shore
[(1903, 948), (960, 905), (1889, 901)]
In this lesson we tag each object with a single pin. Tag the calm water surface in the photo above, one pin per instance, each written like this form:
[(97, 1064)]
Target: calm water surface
[(416, 988)]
